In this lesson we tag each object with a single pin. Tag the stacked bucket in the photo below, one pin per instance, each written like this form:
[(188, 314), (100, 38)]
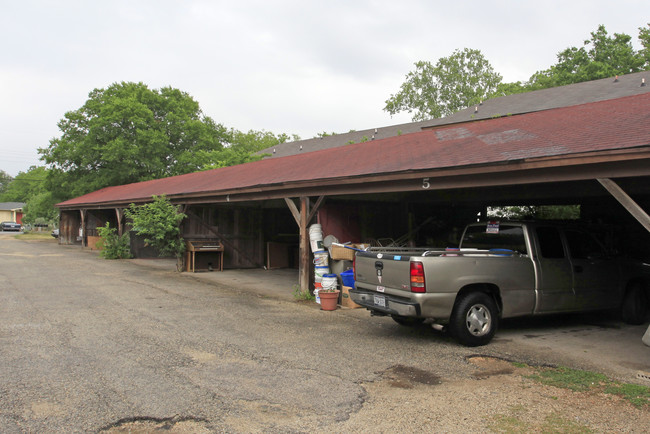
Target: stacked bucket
[(323, 279)]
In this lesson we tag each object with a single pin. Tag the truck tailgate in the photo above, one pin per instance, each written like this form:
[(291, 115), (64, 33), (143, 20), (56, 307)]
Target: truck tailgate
[(383, 272)]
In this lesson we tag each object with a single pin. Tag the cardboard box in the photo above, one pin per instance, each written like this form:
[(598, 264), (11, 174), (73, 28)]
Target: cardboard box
[(346, 301)]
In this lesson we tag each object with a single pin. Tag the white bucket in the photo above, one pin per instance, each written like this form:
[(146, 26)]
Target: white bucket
[(330, 281), (319, 272), (321, 258), (316, 237)]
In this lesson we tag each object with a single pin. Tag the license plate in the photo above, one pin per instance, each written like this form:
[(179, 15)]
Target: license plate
[(380, 300)]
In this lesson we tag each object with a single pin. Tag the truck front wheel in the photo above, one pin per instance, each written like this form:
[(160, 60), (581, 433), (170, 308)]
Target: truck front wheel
[(474, 319)]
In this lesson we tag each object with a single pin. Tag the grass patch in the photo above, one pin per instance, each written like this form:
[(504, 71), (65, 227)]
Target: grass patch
[(300, 295), (39, 236), (509, 424), (586, 381), (553, 423), (556, 423), (638, 395), (567, 378)]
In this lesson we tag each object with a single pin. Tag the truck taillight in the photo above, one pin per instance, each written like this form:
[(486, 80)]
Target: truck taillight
[(417, 277)]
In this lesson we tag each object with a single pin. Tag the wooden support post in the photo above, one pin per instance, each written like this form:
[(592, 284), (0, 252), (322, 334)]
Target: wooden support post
[(304, 265), (82, 231), (630, 205), (119, 212), (303, 217)]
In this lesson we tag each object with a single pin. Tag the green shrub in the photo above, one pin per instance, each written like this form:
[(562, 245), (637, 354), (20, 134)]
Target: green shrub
[(113, 245), (159, 223)]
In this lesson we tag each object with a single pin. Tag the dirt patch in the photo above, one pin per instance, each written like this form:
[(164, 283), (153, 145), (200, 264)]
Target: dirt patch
[(498, 398), (490, 366), (405, 377)]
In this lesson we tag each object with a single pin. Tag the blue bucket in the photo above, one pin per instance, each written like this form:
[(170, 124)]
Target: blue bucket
[(348, 278)]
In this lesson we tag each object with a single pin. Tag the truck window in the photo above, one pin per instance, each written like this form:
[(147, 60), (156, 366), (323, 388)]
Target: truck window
[(583, 246), (508, 237), (550, 242)]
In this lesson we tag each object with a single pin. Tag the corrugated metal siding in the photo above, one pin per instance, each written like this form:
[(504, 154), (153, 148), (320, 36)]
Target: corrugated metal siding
[(601, 126)]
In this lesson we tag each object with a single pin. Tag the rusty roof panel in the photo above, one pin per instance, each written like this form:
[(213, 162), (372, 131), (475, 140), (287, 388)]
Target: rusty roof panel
[(607, 125)]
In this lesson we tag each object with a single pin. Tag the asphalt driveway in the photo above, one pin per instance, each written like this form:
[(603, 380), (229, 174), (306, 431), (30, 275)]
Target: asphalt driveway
[(87, 344)]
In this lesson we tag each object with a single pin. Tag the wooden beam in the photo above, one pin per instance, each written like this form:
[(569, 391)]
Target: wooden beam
[(630, 205), (314, 209), (293, 209)]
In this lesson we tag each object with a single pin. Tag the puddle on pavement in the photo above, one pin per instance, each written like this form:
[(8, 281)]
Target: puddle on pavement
[(145, 425), (405, 377)]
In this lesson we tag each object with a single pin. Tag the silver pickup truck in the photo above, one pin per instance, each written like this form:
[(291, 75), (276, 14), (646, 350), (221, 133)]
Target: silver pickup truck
[(500, 270)]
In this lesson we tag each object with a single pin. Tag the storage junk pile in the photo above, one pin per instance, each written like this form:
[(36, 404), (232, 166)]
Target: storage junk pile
[(323, 279)]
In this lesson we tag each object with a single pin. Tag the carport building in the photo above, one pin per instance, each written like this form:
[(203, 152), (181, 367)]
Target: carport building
[(422, 184)]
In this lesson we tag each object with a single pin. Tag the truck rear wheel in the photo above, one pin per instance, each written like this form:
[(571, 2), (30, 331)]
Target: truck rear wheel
[(474, 320)]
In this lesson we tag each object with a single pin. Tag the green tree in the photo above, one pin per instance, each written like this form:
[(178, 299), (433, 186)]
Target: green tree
[(243, 147), (25, 185), (432, 91), (41, 206), (5, 180), (644, 38), (30, 187), (129, 133), (601, 56), (159, 223)]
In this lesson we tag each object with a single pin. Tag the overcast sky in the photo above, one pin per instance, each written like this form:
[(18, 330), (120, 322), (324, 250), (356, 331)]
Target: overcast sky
[(297, 67)]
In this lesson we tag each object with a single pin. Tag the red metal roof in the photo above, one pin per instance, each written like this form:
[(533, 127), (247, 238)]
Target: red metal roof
[(616, 124)]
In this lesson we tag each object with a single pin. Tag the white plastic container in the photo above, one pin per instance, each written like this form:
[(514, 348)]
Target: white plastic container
[(330, 281), (316, 237), (321, 258), (319, 272)]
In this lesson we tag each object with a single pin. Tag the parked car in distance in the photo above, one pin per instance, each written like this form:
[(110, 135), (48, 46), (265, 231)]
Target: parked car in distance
[(55, 233), (11, 226)]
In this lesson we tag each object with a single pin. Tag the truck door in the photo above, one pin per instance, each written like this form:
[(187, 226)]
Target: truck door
[(595, 276), (554, 275)]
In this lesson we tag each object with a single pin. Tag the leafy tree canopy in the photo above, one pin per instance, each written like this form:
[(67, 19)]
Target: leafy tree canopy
[(5, 179), (601, 56), (465, 78), (129, 133), (30, 187), (431, 91), (244, 146), (25, 185)]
